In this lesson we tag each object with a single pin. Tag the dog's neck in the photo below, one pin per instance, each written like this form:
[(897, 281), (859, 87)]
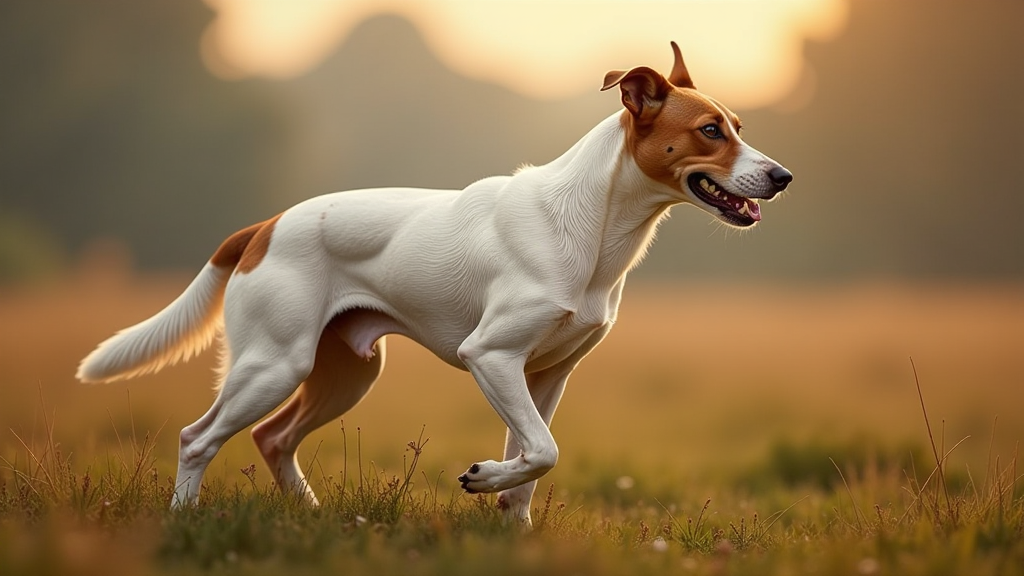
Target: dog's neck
[(608, 208)]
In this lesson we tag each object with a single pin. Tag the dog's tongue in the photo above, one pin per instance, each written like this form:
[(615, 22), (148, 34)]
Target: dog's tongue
[(744, 206)]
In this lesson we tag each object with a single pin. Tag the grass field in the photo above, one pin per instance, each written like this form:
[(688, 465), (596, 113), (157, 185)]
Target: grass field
[(720, 429)]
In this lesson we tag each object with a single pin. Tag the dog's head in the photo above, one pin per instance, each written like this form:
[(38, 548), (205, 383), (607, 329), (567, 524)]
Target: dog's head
[(691, 143)]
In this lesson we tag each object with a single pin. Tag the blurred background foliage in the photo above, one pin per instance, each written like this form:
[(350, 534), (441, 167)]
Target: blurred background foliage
[(744, 367), (907, 157)]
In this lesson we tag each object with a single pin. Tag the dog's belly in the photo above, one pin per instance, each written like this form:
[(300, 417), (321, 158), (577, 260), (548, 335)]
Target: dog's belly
[(360, 328)]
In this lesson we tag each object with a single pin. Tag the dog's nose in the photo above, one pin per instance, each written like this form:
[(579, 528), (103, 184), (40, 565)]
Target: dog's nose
[(780, 177)]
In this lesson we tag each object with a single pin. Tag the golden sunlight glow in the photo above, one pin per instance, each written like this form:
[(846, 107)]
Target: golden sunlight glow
[(747, 53)]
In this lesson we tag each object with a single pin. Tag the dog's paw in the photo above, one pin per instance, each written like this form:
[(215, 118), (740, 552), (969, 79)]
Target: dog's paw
[(480, 477)]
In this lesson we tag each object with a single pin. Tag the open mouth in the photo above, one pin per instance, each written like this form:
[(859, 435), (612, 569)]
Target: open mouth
[(736, 210)]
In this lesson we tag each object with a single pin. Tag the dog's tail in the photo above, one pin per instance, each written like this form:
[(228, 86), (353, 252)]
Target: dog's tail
[(183, 329)]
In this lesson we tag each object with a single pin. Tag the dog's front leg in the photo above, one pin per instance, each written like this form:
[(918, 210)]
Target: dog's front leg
[(546, 388), (496, 358), (500, 376)]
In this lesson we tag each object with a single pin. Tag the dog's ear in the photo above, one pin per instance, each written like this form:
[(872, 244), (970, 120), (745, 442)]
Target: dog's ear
[(680, 76), (643, 90)]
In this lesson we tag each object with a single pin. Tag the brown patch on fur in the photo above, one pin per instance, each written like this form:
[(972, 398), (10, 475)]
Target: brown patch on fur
[(245, 249), (680, 76), (643, 91), (663, 121), (672, 141)]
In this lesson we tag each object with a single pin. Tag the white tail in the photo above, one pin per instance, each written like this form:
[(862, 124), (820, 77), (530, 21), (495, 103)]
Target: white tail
[(181, 330)]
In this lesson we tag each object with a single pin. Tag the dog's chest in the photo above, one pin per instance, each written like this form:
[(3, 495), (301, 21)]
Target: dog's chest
[(595, 315)]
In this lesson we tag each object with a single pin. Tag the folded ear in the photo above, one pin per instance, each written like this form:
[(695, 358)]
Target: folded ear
[(680, 76), (643, 89)]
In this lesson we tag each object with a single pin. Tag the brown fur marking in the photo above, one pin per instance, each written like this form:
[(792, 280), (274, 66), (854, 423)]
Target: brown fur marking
[(677, 126), (245, 249)]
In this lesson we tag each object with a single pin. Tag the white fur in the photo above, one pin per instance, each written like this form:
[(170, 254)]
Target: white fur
[(179, 331), (515, 278)]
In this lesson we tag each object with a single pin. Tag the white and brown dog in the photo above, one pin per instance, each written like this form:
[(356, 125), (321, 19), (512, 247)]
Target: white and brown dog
[(515, 278)]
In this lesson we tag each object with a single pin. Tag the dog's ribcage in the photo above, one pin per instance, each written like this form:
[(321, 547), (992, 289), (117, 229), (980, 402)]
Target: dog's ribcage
[(430, 259)]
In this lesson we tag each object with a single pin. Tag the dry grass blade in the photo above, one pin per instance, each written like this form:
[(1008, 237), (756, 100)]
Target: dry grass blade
[(931, 440), (856, 509), (773, 518)]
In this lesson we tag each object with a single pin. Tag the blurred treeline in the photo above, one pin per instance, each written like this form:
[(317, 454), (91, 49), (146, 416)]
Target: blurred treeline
[(908, 158)]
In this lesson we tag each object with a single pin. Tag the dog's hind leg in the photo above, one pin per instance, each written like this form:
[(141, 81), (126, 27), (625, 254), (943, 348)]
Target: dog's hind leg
[(262, 375), (339, 380)]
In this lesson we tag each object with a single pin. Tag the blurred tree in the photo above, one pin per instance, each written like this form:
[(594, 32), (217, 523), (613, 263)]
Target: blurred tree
[(28, 251), (906, 158), (110, 126)]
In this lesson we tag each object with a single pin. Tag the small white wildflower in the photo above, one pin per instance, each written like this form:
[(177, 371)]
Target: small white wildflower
[(659, 544), (867, 566)]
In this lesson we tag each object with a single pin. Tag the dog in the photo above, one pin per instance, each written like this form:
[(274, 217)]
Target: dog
[(515, 278)]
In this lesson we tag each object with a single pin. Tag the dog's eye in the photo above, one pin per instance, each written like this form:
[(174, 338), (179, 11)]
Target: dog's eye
[(711, 130)]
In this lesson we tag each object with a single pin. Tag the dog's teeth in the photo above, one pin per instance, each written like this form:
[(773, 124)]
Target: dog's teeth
[(744, 210), (704, 184), (713, 190)]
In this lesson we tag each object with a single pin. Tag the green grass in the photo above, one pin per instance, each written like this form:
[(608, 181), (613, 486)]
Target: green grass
[(842, 508), (813, 450)]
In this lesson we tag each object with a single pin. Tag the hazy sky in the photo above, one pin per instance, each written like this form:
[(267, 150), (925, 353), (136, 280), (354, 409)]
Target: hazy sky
[(543, 48), (115, 128)]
